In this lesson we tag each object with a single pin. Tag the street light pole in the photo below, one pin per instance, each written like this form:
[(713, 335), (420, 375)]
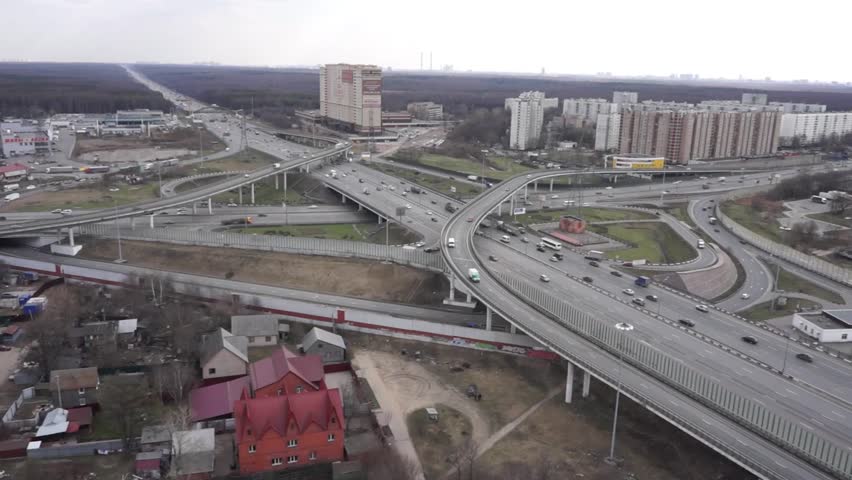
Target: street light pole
[(623, 328)]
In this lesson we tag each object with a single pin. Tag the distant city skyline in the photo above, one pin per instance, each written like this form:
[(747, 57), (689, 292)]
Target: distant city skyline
[(732, 40)]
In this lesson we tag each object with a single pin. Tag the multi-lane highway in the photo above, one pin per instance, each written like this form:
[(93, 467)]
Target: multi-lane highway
[(817, 398)]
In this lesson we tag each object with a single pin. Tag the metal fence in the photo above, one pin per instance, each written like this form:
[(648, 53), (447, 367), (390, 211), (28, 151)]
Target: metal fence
[(801, 259), (9, 417), (276, 243), (75, 449), (788, 434)]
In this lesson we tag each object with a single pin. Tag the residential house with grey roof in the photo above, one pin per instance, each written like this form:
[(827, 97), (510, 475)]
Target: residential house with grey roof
[(329, 346), (223, 355), (260, 330)]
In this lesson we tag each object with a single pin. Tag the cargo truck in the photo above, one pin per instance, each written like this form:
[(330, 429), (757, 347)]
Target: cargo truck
[(642, 281)]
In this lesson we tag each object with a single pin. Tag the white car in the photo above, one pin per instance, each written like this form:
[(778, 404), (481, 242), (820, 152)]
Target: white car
[(247, 175), (313, 206), (408, 206), (628, 291), (232, 204), (113, 189), (702, 308), (544, 278), (554, 197), (428, 212), (66, 211), (419, 244), (56, 210), (31, 187), (505, 239), (745, 296)]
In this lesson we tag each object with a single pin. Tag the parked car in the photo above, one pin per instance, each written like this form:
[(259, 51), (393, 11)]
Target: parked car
[(504, 239), (702, 308), (750, 340), (804, 357)]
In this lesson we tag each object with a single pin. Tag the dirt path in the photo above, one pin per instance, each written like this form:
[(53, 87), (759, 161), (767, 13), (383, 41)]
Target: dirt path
[(402, 387), (507, 429)]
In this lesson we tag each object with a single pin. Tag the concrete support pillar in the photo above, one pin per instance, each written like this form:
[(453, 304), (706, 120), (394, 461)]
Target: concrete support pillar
[(469, 298), (380, 220), (240, 189), (500, 209), (307, 168), (587, 379), (488, 319), (151, 221), (526, 191), (342, 198), (452, 287), (71, 236), (360, 207), (194, 208), (569, 383), (285, 185), (551, 184), (513, 328), (276, 181), (512, 206), (252, 194), (133, 223), (535, 186), (210, 205)]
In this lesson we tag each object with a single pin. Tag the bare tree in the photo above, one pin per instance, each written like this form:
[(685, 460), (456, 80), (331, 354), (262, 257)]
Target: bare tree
[(125, 401), (840, 203), (174, 380), (49, 329)]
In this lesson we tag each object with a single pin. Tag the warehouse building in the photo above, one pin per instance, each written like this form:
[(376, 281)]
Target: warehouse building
[(826, 326), (25, 137)]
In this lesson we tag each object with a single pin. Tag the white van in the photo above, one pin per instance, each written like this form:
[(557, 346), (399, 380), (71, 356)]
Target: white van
[(451, 242)]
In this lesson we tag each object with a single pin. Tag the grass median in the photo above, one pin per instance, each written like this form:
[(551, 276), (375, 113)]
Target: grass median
[(588, 213), (764, 311), (790, 282), (434, 182), (652, 241), (366, 232)]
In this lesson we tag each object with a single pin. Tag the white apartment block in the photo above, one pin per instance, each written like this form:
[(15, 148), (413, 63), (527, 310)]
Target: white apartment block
[(788, 107), (625, 97), (351, 96), (812, 127), (754, 98), (607, 132), (587, 108), (527, 119)]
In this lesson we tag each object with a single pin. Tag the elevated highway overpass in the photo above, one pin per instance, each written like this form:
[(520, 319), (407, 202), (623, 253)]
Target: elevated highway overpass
[(766, 421)]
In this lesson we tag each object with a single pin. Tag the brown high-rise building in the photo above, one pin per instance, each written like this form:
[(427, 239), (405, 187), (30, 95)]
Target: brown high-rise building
[(686, 135)]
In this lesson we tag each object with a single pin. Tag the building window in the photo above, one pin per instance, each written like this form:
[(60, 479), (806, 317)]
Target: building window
[(251, 339), (252, 448), (292, 443), (268, 338), (330, 437), (843, 336), (81, 391), (292, 459), (276, 461), (211, 371), (83, 401), (280, 392), (313, 456), (299, 389)]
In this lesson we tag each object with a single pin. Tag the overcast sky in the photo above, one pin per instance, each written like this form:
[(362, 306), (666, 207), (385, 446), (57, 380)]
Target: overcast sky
[(781, 39)]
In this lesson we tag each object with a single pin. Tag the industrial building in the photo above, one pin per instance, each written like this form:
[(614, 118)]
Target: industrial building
[(634, 162), (25, 137), (351, 97), (825, 326), (813, 127), (527, 119), (426, 111)]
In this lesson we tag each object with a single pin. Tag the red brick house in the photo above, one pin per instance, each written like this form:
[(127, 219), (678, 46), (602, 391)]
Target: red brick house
[(285, 373), (287, 431)]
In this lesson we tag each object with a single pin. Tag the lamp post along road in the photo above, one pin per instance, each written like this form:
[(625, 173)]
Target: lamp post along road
[(623, 328)]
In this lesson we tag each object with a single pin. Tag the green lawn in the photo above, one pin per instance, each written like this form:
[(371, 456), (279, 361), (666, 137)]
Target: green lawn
[(763, 311), (106, 427), (364, 232), (427, 180), (655, 242), (844, 220), (505, 166), (589, 213), (752, 219), (792, 283)]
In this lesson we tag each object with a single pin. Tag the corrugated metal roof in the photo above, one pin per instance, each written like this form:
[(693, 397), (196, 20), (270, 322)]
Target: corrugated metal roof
[(74, 378), (317, 334), (282, 361), (255, 325), (216, 400), (213, 343)]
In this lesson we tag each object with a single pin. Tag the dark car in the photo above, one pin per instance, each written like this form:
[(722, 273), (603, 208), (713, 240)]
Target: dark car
[(540, 248), (430, 249), (559, 256), (594, 264), (360, 180), (750, 340), (652, 298), (261, 214), (686, 323), (804, 357), (493, 258), (434, 219), (615, 273), (588, 279)]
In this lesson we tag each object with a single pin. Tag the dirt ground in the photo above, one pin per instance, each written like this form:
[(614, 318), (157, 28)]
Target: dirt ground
[(339, 276), (573, 440), (91, 196), (161, 144), (97, 467), (437, 441)]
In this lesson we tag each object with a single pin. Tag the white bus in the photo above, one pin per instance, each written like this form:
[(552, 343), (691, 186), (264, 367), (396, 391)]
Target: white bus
[(551, 244)]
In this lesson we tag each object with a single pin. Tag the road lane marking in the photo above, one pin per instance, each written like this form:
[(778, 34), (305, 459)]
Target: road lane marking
[(838, 414)]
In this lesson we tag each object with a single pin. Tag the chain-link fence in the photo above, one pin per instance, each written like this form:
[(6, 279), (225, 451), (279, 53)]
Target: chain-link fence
[(808, 262), (788, 434), (275, 243)]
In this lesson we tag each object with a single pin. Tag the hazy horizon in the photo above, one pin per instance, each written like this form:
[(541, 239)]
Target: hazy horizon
[(731, 40)]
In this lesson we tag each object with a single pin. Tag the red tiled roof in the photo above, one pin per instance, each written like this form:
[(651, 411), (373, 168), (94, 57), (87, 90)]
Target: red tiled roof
[(216, 400), (283, 361), (81, 416), (275, 413), (13, 168)]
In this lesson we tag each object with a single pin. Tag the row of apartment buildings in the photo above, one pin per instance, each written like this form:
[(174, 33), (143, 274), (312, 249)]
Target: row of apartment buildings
[(527, 118), (711, 129)]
